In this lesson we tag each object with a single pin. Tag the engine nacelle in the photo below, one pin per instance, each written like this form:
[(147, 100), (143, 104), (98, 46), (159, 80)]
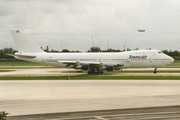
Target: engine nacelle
[(85, 67), (109, 68)]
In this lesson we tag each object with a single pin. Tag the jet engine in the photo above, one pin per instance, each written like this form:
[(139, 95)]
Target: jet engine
[(85, 67), (109, 68)]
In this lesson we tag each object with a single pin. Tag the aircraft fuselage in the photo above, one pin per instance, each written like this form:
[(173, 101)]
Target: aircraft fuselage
[(129, 59)]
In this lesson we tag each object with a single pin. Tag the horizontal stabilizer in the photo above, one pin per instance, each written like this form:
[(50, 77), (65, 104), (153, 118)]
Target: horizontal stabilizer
[(23, 56)]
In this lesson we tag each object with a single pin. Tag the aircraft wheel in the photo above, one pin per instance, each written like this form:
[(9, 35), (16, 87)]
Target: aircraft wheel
[(155, 71), (91, 72)]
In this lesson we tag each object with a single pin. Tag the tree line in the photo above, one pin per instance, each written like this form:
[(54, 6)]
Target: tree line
[(175, 54), (4, 53)]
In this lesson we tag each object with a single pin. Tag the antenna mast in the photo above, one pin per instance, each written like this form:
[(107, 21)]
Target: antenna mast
[(92, 40), (124, 47), (107, 43)]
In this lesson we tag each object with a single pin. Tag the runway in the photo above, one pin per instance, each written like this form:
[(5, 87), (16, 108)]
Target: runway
[(51, 96)]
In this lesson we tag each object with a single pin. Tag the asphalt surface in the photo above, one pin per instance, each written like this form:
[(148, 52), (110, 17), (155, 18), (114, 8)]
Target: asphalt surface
[(151, 113)]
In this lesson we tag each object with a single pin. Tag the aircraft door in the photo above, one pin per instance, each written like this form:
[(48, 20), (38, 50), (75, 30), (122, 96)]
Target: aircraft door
[(128, 61), (150, 59)]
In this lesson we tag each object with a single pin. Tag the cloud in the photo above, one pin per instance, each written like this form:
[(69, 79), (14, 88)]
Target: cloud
[(50, 23)]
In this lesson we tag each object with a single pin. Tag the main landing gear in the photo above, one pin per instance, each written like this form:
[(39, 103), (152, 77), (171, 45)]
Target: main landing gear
[(95, 72), (155, 70)]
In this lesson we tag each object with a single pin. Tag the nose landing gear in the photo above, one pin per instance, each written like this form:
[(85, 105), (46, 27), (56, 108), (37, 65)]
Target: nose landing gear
[(155, 70)]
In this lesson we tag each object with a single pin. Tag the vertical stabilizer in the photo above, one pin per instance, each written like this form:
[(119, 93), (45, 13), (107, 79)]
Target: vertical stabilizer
[(24, 44)]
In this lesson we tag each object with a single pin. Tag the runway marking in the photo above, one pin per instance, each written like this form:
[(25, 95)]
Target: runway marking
[(108, 112), (170, 75)]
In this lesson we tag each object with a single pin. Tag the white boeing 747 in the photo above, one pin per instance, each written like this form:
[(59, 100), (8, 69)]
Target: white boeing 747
[(93, 62)]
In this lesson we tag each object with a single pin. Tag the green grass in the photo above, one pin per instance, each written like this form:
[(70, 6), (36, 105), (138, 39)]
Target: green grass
[(94, 78), (26, 67), (176, 57), (6, 70), (19, 63)]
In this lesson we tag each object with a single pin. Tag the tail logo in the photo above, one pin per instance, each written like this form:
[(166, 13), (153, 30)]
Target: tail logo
[(144, 56)]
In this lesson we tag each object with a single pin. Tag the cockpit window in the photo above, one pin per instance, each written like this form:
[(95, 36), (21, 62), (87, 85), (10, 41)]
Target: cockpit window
[(159, 52)]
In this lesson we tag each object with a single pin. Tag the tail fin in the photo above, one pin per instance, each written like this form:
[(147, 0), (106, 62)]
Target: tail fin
[(24, 44)]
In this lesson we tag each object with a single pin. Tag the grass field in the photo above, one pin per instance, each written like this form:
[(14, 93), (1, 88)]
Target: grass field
[(19, 63), (6, 70)]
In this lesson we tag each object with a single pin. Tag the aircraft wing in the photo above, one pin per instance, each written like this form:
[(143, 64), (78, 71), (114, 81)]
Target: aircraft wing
[(79, 62), (94, 63), (115, 64), (75, 64)]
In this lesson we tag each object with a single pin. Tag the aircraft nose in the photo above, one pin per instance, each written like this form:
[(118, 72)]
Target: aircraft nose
[(169, 59), (172, 60)]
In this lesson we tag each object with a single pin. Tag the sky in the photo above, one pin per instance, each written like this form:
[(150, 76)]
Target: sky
[(70, 24)]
